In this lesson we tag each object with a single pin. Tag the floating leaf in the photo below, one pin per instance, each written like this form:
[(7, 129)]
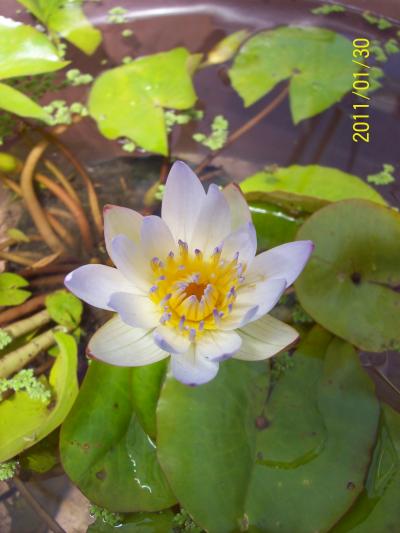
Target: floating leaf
[(25, 51), (349, 284), (66, 18), (64, 308), (306, 187), (114, 463), (10, 291), (16, 102), (377, 508), (128, 101), (273, 225), (271, 467), (138, 523), (315, 60), (31, 420)]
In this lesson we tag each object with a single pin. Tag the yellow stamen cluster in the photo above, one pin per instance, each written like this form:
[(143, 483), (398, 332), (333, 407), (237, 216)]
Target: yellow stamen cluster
[(194, 292)]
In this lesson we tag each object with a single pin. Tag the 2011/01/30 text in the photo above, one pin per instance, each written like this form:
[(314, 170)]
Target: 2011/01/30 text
[(360, 88)]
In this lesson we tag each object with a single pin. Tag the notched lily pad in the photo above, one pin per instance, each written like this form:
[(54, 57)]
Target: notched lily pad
[(315, 60), (306, 188), (129, 101), (350, 285)]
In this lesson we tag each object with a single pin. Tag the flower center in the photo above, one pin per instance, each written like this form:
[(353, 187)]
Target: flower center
[(195, 293)]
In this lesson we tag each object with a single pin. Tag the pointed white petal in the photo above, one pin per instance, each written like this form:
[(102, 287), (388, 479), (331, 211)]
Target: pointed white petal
[(190, 369), (132, 262), (118, 344), (121, 221), (264, 338), (213, 224), (218, 345), (156, 238), (136, 310), (253, 301), (183, 197), (285, 261), (240, 212), (171, 340), (244, 241), (94, 284)]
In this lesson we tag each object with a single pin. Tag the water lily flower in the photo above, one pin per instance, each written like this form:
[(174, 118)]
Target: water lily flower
[(189, 284)]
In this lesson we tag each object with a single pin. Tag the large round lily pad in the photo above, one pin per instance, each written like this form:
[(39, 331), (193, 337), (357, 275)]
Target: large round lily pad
[(350, 284)]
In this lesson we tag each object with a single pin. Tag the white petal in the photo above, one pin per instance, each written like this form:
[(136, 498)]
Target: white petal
[(253, 301), (171, 340), (183, 197), (264, 338), (118, 344), (130, 259), (156, 238), (244, 241), (240, 212), (213, 224), (94, 284), (285, 261), (121, 221), (136, 310), (190, 369), (218, 345)]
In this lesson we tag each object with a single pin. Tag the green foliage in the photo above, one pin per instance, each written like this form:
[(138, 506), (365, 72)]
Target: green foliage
[(375, 75), (117, 15), (380, 22), (109, 518), (161, 522), (61, 113), (172, 117), (184, 522), (315, 60), (300, 316), (327, 9), (17, 235), (384, 177), (64, 308), (5, 339), (218, 135), (377, 51), (31, 419), (273, 224), (306, 188), (114, 463), (127, 32), (349, 284), (10, 289), (25, 380), (225, 49), (8, 163), (43, 456), (67, 19), (24, 51), (75, 77), (237, 462), (129, 101), (279, 364), (7, 470), (392, 46)]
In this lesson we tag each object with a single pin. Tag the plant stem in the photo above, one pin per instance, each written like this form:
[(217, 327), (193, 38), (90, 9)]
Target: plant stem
[(15, 258), (24, 309), (245, 128), (60, 176), (31, 201), (19, 358), (17, 329)]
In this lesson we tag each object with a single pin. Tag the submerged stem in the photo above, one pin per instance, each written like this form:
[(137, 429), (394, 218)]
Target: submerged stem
[(17, 329), (245, 128)]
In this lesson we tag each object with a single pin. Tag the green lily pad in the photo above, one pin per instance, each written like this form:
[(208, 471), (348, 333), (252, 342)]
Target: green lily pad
[(10, 289), (377, 508), (315, 60), (273, 225), (32, 420), (348, 286), (138, 523), (64, 308), (16, 102), (68, 20), (25, 51), (306, 188), (104, 449), (236, 464), (128, 101)]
